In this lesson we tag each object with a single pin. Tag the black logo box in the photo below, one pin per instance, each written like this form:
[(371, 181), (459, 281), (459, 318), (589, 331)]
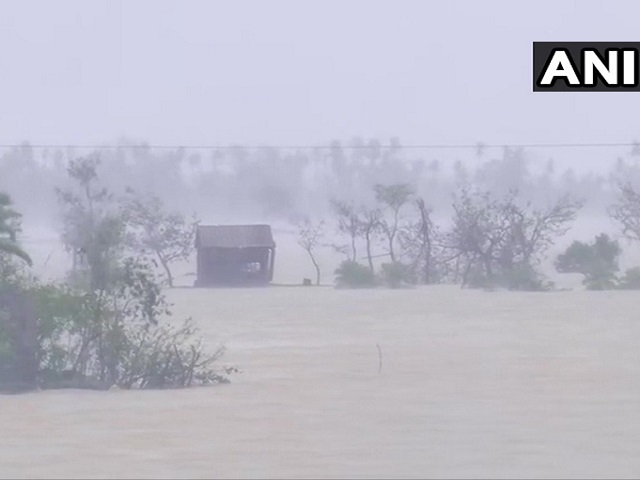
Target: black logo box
[(542, 52)]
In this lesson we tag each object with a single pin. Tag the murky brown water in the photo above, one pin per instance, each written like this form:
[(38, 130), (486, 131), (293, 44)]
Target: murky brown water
[(473, 384)]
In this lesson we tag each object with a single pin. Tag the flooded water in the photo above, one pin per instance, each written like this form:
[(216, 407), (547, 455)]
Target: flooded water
[(469, 384)]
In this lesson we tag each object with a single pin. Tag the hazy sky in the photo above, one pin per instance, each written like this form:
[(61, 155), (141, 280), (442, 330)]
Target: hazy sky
[(208, 72)]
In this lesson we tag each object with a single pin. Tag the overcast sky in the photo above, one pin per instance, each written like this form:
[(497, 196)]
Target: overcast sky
[(208, 72)]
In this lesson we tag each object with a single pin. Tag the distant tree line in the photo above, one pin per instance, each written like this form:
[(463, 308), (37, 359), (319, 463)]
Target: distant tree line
[(289, 184)]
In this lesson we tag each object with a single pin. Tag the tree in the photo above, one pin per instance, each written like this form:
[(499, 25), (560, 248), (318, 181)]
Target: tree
[(93, 227), (598, 262), (169, 236), (369, 225), (418, 241), (476, 234), (502, 242), (309, 237), (627, 211), (392, 197), (119, 336), (349, 223), (9, 229)]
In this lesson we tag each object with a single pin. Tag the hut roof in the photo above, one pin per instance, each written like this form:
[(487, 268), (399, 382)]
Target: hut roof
[(234, 236)]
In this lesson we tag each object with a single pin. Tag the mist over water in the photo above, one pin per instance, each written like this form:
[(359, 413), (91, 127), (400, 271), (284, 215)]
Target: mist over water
[(470, 383), (270, 113), (283, 186)]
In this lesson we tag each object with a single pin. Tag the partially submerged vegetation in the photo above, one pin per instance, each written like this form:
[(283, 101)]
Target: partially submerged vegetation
[(492, 241), (389, 204), (107, 323), (598, 262)]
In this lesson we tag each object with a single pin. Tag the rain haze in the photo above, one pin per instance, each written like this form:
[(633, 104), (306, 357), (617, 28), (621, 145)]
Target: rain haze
[(314, 240)]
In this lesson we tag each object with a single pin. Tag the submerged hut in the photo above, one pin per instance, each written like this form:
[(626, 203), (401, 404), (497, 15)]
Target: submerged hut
[(234, 255)]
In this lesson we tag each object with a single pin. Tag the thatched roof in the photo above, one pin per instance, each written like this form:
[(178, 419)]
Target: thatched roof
[(234, 236)]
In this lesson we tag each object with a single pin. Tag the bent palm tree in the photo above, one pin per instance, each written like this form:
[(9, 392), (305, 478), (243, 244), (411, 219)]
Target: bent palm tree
[(8, 230)]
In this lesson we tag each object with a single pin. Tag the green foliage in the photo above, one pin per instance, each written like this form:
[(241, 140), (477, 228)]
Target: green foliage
[(7, 353), (60, 313), (18, 338), (577, 258), (118, 335), (109, 326), (396, 275), (525, 278), (393, 198), (597, 261), (349, 223), (352, 274), (630, 280), (520, 277), (626, 211), (168, 357), (151, 230), (421, 243), (9, 228), (93, 228), (84, 343), (600, 281), (500, 242)]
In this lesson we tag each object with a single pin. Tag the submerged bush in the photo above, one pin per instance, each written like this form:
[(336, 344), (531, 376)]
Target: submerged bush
[(351, 274), (524, 278), (107, 325), (127, 341), (168, 357), (396, 275), (597, 261), (520, 277), (600, 281), (630, 280), (52, 336)]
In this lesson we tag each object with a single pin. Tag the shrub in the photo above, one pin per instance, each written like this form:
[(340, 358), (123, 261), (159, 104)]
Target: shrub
[(396, 275), (630, 280), (168, 357), (352, 274), (525, 278), (600, 281), (597, 261)]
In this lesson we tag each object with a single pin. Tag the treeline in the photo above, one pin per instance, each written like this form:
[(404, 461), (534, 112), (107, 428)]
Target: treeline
[(284, 184)]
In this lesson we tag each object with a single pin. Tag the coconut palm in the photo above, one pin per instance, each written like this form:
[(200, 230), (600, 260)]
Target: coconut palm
[(9, 229)]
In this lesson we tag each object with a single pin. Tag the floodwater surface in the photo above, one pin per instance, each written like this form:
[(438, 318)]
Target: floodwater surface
[(468, 384)]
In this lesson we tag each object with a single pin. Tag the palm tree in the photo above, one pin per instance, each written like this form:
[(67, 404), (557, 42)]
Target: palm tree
[(9, 229)]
